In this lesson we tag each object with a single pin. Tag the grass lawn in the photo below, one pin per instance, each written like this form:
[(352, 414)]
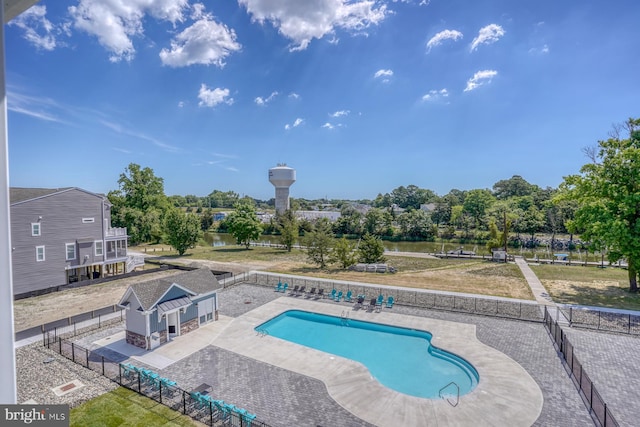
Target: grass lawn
[(454, 275), (600, 287), (123, 407)]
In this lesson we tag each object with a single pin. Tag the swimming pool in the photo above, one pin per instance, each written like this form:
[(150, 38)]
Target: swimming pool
[(400, 358)]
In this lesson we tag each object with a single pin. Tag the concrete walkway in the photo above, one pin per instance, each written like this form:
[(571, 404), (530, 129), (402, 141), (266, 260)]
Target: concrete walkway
[(539, 292)]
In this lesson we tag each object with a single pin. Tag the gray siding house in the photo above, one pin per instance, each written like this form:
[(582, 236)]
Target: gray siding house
[(160, 309), (60, 236)]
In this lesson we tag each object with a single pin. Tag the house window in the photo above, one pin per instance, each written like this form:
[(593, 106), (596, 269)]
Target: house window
[(71, 251), (98, 245), (39, 253), (35, 229), (87, 220)]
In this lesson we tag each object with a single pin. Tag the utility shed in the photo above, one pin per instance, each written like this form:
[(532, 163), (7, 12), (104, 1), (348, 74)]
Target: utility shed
[(160, 309)]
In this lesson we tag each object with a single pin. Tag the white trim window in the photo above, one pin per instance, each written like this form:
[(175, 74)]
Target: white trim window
[(36, 229), (39, 253), (70, 250), (99, 248)]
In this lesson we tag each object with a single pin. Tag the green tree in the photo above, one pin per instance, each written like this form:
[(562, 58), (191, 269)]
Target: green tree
[(607, 192), (139, 204), (206, 219), (371, 249), (182, 230), (516, 186), (350, 221), (289, 229), (319, 243), (532, 221), (343, 253), (476, 204), (415, 223), (243, 224)]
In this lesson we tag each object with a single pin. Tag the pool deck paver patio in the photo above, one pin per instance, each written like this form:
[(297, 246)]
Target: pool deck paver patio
[(282, 397), (505, 395)]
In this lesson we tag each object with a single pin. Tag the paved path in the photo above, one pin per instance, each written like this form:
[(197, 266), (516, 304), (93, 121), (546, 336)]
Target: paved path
[(539, 292)]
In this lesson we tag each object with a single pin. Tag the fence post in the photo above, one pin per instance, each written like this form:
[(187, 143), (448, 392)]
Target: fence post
[(599, 320), (74, 329), (60, 346), (73, 352), (160, 386), (184, 402), (86, 351), (99, 320), (103, 366)]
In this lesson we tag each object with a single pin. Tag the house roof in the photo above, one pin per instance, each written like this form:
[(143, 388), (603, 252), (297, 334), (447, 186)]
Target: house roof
[(21, 194), (149, 293), (17, 194)]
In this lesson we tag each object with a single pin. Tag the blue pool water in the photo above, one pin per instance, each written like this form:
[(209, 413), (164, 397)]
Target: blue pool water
[(399, 358)]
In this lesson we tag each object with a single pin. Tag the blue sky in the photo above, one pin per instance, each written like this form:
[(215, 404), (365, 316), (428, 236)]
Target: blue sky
[(358, 96)]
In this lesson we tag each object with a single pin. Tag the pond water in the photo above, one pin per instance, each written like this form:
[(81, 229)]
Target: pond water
[(225, 239)]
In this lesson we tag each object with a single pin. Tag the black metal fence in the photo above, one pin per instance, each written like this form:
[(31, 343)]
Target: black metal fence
[(585, 385), (198, 405), (486, 306), (70, 325), (603, 320)]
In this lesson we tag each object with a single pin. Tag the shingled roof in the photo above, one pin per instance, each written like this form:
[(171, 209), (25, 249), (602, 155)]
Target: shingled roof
[(19, 194), (200, 281)]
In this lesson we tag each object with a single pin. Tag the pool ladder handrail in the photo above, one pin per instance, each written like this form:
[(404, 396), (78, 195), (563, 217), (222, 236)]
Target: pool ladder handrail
[(262, 332), (344, 317), (446, 396)]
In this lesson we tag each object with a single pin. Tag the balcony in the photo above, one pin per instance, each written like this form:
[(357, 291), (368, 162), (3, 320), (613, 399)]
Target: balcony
[(116, 232)]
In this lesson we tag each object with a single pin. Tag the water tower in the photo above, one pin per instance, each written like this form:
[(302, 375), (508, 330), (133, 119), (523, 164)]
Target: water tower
[(282, 177)]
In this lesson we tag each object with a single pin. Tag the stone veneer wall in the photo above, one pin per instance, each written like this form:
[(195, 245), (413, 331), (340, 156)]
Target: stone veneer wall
[(499, 307), (188, 326), (136, 339)]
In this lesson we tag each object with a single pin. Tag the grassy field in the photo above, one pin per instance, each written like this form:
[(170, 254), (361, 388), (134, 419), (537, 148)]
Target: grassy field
[(603, 287), (123, 407), (600, 287)]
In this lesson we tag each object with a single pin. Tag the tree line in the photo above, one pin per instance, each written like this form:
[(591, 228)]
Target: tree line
[(601, 203)]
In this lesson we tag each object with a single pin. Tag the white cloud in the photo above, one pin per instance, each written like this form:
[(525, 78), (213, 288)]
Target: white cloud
[(263, 101), (294, 95), (442, 36), (295, 124), (205, 42), (38, 30), (383, 73), (212, 97), (434, 95), (539, 50), (302, 21), (480, 78), (487, 35), (181, 104), (116, 22), (340, 113), (328, 126)]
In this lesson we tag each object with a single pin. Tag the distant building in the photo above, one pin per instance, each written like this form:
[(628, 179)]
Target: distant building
[(312, 215), (428, 207), (60, 236), (219, 216)]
